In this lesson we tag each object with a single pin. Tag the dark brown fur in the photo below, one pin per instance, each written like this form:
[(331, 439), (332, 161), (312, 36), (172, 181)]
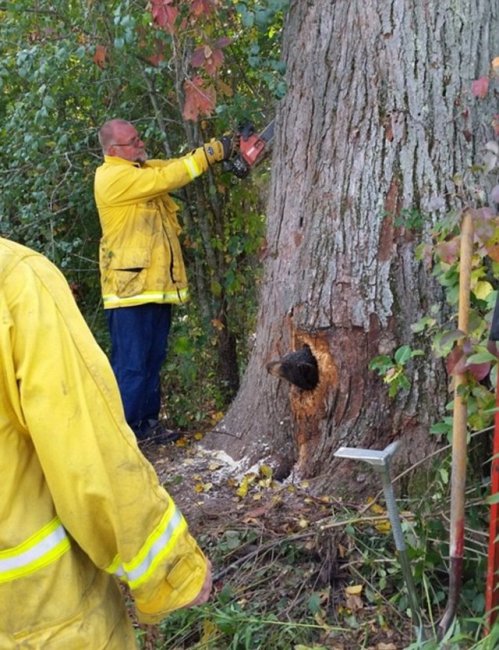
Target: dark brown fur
[(299, 368)]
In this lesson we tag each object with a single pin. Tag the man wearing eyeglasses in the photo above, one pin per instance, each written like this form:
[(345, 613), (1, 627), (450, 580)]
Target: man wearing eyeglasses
[(141, 264)]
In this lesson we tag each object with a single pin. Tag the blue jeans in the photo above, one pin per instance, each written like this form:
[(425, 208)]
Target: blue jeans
[(139, 337)]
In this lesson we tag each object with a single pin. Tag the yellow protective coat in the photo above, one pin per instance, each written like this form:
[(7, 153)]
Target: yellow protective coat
[(80, 506), (140, 255)]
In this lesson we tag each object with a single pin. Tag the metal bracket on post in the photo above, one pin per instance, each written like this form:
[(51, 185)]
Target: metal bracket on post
[(380, 461)]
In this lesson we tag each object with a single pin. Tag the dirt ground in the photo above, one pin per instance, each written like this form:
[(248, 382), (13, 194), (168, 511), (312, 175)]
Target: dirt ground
[(249, 524)]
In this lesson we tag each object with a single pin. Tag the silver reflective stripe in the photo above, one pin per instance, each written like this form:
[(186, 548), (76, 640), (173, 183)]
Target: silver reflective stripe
[(42, 548), (192, 167), (159, 547)]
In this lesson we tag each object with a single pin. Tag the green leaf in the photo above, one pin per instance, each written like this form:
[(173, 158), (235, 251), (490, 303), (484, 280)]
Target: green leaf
[(380, 362), (248, 19), (481, 357), (422, 324), (444, 475), (216, 288), (441, 427), (402, 354), (314, 603)]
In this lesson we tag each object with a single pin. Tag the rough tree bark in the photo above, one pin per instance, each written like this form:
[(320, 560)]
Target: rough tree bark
[(377, 119)]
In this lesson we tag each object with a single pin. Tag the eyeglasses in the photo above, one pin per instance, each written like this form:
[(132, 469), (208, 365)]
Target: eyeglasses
[(133, 143)]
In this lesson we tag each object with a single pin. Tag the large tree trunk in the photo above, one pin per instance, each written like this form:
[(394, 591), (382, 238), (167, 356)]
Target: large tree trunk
[(376, 121)]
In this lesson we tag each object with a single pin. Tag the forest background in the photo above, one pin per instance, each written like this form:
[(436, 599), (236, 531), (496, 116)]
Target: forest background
[(68, 67)]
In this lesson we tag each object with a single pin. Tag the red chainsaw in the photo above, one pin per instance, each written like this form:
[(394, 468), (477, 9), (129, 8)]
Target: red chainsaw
[(253, 148)]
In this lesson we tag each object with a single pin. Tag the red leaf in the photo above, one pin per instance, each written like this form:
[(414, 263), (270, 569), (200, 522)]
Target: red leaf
[(485, 225), (100, 56), (448, 250), (480, 87), (200, 7), (164, 14), (155, 59), (214, 62), (223, 42), (205, 57), (467, 347), (456, 364), (478, 370), (493, 251), (198, 57), (157, 56), (199, 99), (426, 254), (455, 361)]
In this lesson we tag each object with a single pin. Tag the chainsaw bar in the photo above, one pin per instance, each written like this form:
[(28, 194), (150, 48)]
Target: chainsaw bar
[(268, 133)]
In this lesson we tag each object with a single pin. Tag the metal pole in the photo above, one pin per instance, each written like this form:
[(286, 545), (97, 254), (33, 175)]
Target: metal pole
[(393, 513), (380, 461)]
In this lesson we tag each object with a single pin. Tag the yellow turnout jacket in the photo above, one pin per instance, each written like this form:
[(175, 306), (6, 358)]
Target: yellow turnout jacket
[(80, 507), (140, 255)]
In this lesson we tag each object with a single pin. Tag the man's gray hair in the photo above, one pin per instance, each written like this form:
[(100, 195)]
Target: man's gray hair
[(106, 133)]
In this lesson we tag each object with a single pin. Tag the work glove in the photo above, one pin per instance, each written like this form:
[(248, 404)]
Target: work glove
[(230, 144), (222, 149)]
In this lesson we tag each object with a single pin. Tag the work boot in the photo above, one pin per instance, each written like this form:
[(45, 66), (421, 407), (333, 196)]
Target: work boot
[(158, 434)]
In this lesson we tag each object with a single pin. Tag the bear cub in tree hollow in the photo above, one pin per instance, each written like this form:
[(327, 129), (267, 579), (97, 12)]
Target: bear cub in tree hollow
[(299, 368)]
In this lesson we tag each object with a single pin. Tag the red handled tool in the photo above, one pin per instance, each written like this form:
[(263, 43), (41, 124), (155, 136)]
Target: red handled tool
[(492, 584)]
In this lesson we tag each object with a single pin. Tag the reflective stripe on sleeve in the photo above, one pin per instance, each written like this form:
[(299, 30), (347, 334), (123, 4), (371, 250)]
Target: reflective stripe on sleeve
[(192, 167), (157, 546), (39, 550)]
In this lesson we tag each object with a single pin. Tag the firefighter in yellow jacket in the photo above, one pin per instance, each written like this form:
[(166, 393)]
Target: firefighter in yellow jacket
[(80, 507), (142, 270)]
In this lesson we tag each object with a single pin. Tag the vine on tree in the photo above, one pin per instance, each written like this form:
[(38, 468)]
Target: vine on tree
[(479, 195)]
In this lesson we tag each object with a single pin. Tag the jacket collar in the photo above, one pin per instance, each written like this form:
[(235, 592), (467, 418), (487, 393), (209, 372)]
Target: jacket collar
[(116, 160)]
